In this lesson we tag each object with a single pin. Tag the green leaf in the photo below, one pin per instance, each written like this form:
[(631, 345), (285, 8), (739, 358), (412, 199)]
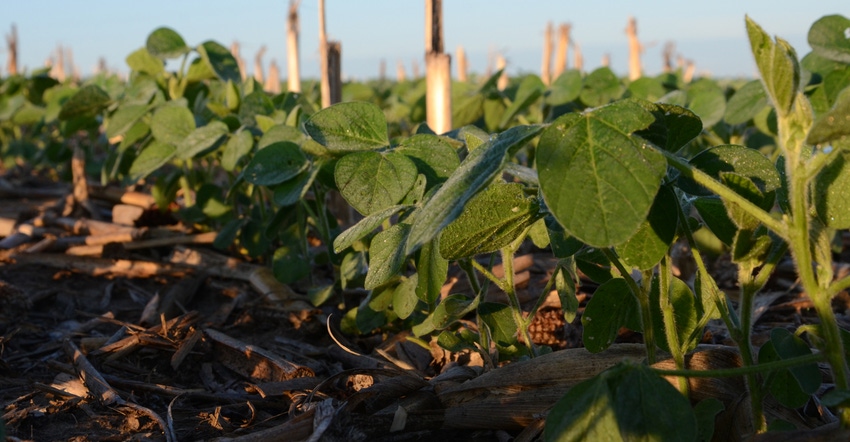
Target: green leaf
[(386, 255), (275, 164), (639, 396), (740, 160), (673, 128), (828, 37), (565, 88), (748, 100), (530, 89), (172, 123), (491, 220), (124, 118), (364, 227), (432, 270), (372, 181), (713, 213), (142, 61), (647, 88), (154, 156), (563, 245), (165, 43), (88, 102), (833, 125), (479, 168), (291, 191), (622, 403), (239, 145), (782, 384), (254, 104), (706, 411), (499, 319), (655, 235), (601, 87), (565, 285), (349, 127), (404, 296), (611, 307), (832, 187), (683, 305), (616, 174), (201, 139), (777, 63), (706, 99), (434, 157), (585, 413), (221, 61), (281, 133), (447, 312)]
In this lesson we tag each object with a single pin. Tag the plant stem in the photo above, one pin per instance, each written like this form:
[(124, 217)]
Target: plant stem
[(781, 364), (488, 274), (467, 267), (510, 290), (642, 297), (748, 292), (671, 331), (726, 193)]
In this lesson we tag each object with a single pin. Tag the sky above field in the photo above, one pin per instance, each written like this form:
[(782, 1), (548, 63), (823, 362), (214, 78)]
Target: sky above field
[(711, 33)]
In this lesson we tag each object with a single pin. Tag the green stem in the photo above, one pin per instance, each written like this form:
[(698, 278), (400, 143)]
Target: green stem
[(781, 364), (748, 291), (642, 297), (727, 194), (838, 287), (467, 268), (489, 275), (510, 290), (665, 275)]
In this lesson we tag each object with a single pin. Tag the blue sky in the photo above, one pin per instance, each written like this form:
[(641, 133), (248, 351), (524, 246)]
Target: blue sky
[(710, 32)]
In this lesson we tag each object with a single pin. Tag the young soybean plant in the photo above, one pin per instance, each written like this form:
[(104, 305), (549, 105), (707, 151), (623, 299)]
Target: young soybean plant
[(604, 177)]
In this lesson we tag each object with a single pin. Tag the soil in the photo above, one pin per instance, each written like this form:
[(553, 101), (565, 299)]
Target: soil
[(92, 351)]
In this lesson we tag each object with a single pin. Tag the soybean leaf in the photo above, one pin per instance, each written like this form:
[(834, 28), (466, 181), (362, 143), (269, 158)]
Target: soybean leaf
[(639, 395), (364, 227), (124, 118), (291, 191), (142, 61), (673, 128), (706, 411), (565, 88), (740, 160), (152, 157), (349, 127), (432, 270), (172, 123), (748, 100), (386, 255), (372, 181), (500, 321), (201, 139), (777, 63), (237, 147), (593, 155), (832, 185), (563, 245), (491, 220), (834, 124), (647, 88), (254, 104), (404, 296), (479, 168), (565, 284), (585, 413), (655, 235), (706, 99), (713, 213), (434, 157), (601, 87), (87, 102), (281, 133), (828, 38), (220, 60), (165, 43), (782, 384), (530, 89), (611, 307), (275, 164), (448, 311), (683, 305)]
